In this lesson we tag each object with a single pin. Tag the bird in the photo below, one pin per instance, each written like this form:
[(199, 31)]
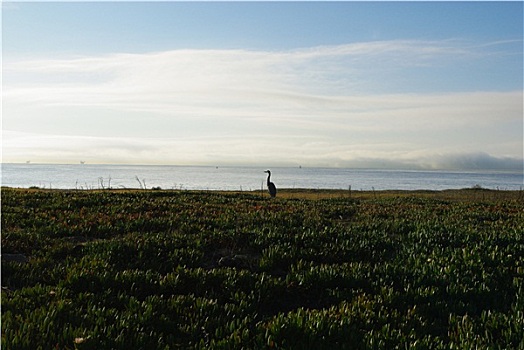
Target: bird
[(271, 186)]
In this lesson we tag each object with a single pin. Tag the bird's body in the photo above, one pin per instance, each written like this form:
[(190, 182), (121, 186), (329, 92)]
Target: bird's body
[(271, 186)]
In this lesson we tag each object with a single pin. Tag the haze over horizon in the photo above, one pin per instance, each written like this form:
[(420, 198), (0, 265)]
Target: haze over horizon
[(407, 85)]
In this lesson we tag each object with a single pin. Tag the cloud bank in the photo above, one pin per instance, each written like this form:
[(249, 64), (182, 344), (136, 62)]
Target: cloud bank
[(377, 104)]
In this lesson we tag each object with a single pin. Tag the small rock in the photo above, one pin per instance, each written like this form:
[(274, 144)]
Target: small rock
[(80, 340)]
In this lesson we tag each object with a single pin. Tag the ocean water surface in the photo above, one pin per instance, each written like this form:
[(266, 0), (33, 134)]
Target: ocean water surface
[(93, 176)]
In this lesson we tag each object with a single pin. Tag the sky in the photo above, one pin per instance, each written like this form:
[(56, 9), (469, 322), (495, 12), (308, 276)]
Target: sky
[(404, 85)]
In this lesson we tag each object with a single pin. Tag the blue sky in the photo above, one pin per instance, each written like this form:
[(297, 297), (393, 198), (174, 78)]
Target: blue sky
[(378, 84)]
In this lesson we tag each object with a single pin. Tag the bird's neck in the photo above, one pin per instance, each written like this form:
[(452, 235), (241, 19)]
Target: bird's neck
[(268, 177)]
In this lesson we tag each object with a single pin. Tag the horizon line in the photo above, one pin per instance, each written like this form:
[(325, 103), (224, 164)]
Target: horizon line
[(373, 168)]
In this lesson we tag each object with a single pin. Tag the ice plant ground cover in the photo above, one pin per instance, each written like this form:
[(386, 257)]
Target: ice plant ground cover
[(307, 270)]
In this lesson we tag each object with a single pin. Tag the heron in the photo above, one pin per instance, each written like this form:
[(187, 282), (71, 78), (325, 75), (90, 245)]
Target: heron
[(271, 186)]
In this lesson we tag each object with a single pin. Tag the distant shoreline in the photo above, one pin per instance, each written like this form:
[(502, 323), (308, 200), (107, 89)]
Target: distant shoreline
[(355, 168)]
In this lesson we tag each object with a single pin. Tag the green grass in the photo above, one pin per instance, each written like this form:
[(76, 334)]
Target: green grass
[(307, 270)]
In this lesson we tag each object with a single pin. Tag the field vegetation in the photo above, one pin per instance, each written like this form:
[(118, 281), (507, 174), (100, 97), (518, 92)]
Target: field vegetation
[(307, 270)]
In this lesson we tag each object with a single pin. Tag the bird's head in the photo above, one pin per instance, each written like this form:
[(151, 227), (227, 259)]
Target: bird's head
[(267, 172)]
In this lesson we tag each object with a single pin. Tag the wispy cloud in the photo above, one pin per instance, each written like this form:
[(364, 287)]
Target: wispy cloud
[(217, 74), (323, 105)]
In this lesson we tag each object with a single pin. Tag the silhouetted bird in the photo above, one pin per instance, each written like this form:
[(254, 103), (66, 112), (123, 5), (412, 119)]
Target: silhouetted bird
[(271, 186)]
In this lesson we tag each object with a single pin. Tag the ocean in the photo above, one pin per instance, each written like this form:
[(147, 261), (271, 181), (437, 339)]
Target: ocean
[(91, 176)]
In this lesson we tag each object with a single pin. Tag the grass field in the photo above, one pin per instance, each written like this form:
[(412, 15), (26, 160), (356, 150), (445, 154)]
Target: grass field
[(307, 270)]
